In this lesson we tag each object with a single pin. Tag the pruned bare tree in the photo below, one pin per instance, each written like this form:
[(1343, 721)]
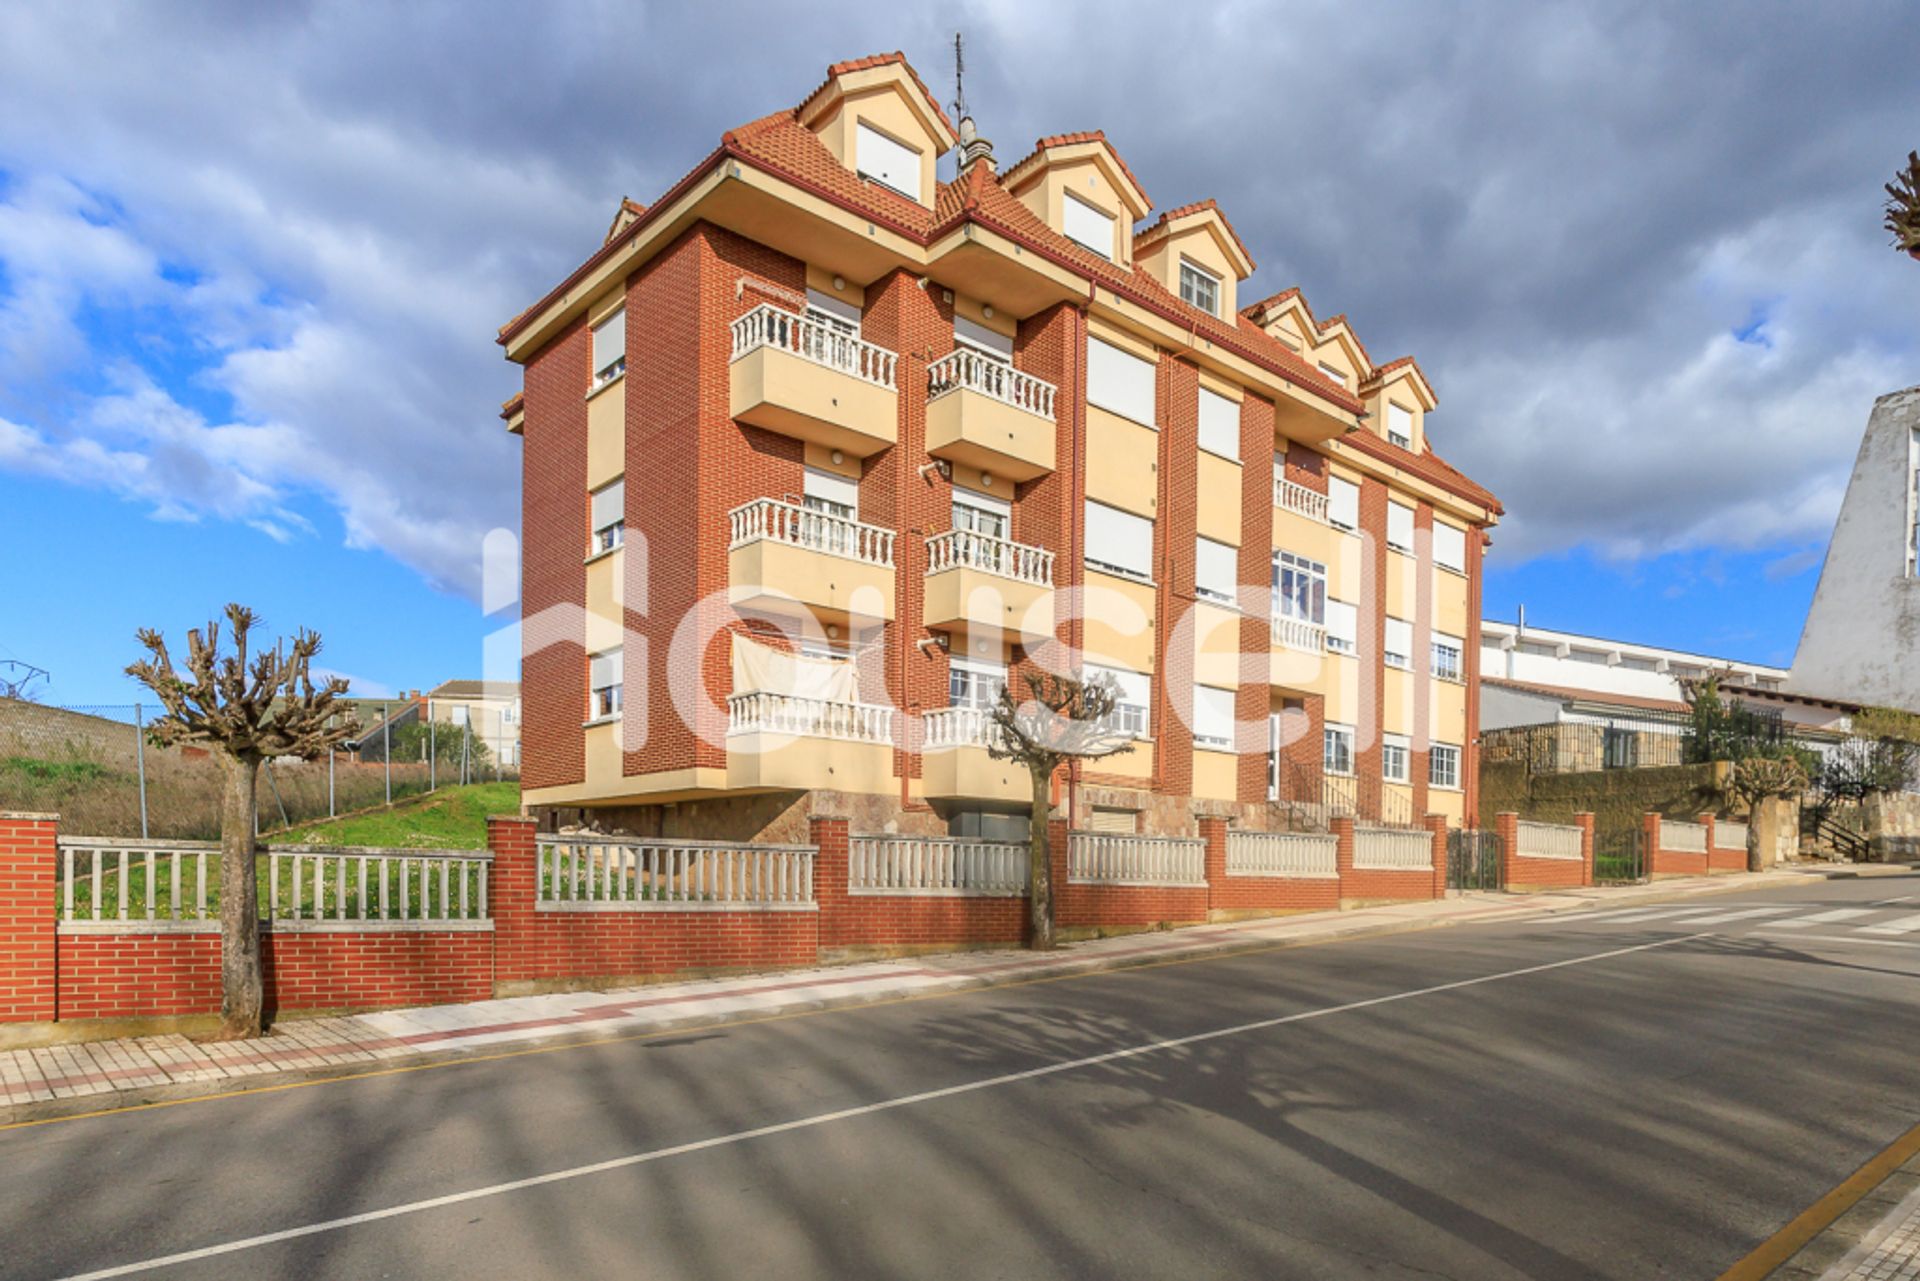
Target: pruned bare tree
[(249, 710), (1903, 207), (1062, 718)]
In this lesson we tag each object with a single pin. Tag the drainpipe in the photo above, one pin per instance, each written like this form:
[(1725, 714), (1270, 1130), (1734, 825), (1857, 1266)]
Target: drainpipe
[(1076, 513)]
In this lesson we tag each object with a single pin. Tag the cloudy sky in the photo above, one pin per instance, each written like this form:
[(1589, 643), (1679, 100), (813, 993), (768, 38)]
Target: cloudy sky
[(252, 258)]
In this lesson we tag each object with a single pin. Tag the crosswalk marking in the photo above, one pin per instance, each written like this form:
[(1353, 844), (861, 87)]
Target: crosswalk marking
[(1642, 914), (1821, 918), (1714, 918), (1899, 925)]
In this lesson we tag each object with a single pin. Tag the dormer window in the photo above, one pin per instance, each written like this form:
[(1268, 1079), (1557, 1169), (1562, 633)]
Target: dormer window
[(1334, 376), (1200, 288), (886, 161), (1400, 425), (1086, 225)]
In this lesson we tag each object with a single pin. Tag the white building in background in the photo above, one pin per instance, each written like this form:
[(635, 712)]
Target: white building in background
[(1862, 638)]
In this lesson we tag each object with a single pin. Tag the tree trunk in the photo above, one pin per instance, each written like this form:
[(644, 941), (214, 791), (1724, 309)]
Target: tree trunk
[(1040, 864), (241, 984)]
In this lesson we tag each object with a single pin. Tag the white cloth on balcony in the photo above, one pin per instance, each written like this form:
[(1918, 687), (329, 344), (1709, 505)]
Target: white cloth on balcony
[(760, 667)]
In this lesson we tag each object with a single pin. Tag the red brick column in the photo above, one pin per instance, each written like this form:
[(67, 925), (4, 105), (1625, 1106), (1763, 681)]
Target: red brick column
[(1706, 821), (1584, 820), (1437, 824), (1342, 829), (1214, 832), (514, 844), (829, 836), (28, 860), (1650, 833), (1507, 824), (1057, 867)]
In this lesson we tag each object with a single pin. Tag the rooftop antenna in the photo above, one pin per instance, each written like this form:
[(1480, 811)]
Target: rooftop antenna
[(973, 148), (959, 104)]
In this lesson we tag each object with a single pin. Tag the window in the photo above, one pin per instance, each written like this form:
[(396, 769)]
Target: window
[(1199, 287), (1338, 755), (982, 339), (1219, 425), (1333, 375), (1443, 766), (604, 685), (1447, 652), (1399, 527), (1399, 643), (1621, 748), (1086, 225), (982, 513), (1119, 542), (1299, 588), (973, 683), (610, 348), (1133, 698), (1343, 627), (1400, 425), (1449, 547), (1343, 503), (886, 161), (1213, 717), (1114, 822), (1120, 381), (1215, 569), (1393, 758), (608, 506), (835, 313), (829, 492)]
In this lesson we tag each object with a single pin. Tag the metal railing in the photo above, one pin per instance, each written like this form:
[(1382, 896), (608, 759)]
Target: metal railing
[(1392, 850), (159, 885), (1689, 838), (1298, 854), (1729, 835), (1298, 634), (815, 340), (965, 549), (815, 531), (936, 865), (969, 370), (595, 874), (1548, 840), (1117, 859), (762, 711), (1297, 498), (946, 727)]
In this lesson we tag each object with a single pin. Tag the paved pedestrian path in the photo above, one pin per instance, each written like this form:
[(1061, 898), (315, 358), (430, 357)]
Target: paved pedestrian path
[(162, 1066)]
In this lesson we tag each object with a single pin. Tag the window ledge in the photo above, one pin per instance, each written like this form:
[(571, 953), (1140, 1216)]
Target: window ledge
[(1404, 551), (614, 381), (593, 556), (1125, 576), (1445, 787), (1216, 749), (1457, 573), (1214, 453), (601, 720)]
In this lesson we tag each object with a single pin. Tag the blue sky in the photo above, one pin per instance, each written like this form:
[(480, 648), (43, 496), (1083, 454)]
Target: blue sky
[(248, 354)]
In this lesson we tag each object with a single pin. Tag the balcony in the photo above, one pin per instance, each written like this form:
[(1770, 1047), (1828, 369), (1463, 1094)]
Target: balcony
[(984, 413), (1298, 634), (1297, 498), (956, 765), (792, 742), (805, 378), (783, 554), (976, 580)]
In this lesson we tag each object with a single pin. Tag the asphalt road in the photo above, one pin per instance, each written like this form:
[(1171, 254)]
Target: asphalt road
[(1628, 1096)]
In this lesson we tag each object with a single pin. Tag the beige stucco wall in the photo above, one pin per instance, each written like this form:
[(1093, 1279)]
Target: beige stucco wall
[(782, 392), (969, 598), (1122, 463), (1450, 601), (1340, 686), (884, 107), (1402, 585), (1396, 701), (1120, 622), (1216, 645), (1447, 714), (1216, 775), (774, 575), (970, 773), (1076, 169), (1310, 538), (974, 430), (607, 434), (787, 761), (1218, 515), (606, 595)]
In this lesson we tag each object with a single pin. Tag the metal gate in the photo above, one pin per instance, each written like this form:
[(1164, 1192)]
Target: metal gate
[(1619, 856), (1473, 859)]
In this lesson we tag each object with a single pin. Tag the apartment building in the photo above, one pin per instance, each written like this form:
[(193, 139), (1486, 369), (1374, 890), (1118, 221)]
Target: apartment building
[(820, 450)]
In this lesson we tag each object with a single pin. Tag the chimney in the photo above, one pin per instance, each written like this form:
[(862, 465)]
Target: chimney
[(974, 148)]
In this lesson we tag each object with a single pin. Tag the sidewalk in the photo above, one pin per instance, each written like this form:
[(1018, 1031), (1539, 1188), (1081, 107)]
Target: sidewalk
[(36, 1082)]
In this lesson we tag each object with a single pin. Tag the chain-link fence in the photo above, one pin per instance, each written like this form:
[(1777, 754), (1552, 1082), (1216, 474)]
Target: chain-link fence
[(93, 766)]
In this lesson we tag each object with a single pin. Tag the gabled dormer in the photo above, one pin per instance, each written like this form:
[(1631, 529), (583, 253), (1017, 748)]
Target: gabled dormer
[(1336, 350), (878, 120), (1077, 184), (1195, 253), (1398, 399), (1285, 318)]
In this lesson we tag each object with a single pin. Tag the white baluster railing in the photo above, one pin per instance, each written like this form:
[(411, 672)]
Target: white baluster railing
[(958, 727), (586, 873), (1548, 840), (1729, 835), (766, 712), (1297, 854), (965, 549), (1687, 837), (814, 340), (1298, 634), (936, 865), (1292, 496), (1392, 850), (969, 370), (815, 531), (1119, 859)]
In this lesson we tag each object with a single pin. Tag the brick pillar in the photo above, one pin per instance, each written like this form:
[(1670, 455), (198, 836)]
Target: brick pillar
[(1507, 824), (829, 837), (1650, 834), (1057, 867), (1342, 829), (1585, 822), (1214, 832), (1706, 821), (514, 888), (29, 857), (1437, 824)]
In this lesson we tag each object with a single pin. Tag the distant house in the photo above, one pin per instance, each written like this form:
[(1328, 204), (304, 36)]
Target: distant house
[(489, 709)]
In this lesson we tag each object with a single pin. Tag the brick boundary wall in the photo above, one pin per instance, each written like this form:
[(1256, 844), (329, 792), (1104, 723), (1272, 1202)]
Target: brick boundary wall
[(1089, 908), (1668, 862), (858, 923), (27, 966), (1720, 859), (1231, 897), (1363, 885), (1519, 873)]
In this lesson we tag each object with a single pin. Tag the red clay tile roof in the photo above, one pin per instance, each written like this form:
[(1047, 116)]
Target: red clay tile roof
[(783, 142), (1166, 220), (839, 69), (1073, 140), (1381, 373), (513, 404), (629, 208)]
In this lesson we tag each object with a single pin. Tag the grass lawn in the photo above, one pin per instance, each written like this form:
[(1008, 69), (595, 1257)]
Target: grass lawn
[(453, 818)]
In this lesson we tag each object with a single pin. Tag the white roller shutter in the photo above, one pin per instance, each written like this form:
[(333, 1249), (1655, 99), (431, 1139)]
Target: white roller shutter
[(1219, 425), (1213, 716), (1086, 225), (1450, 546), (609, 344), (609, 505), (880, 158), (1399, 643), (976, 335), (1119, 540), (604, 670), (1216, 568), (1400, 526), (1343, 503), (1400, 423), (1120, 381), (1343, 627)]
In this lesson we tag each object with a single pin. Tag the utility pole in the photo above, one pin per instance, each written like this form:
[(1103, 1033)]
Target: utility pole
[(386, 748)]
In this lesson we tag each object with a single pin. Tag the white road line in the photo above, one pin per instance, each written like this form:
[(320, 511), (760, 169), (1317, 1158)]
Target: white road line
[(1745, 913), (1643, 914), (843, 1114), (1820, 918), (1898, 925), (1889, 902), (1853, 939)]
